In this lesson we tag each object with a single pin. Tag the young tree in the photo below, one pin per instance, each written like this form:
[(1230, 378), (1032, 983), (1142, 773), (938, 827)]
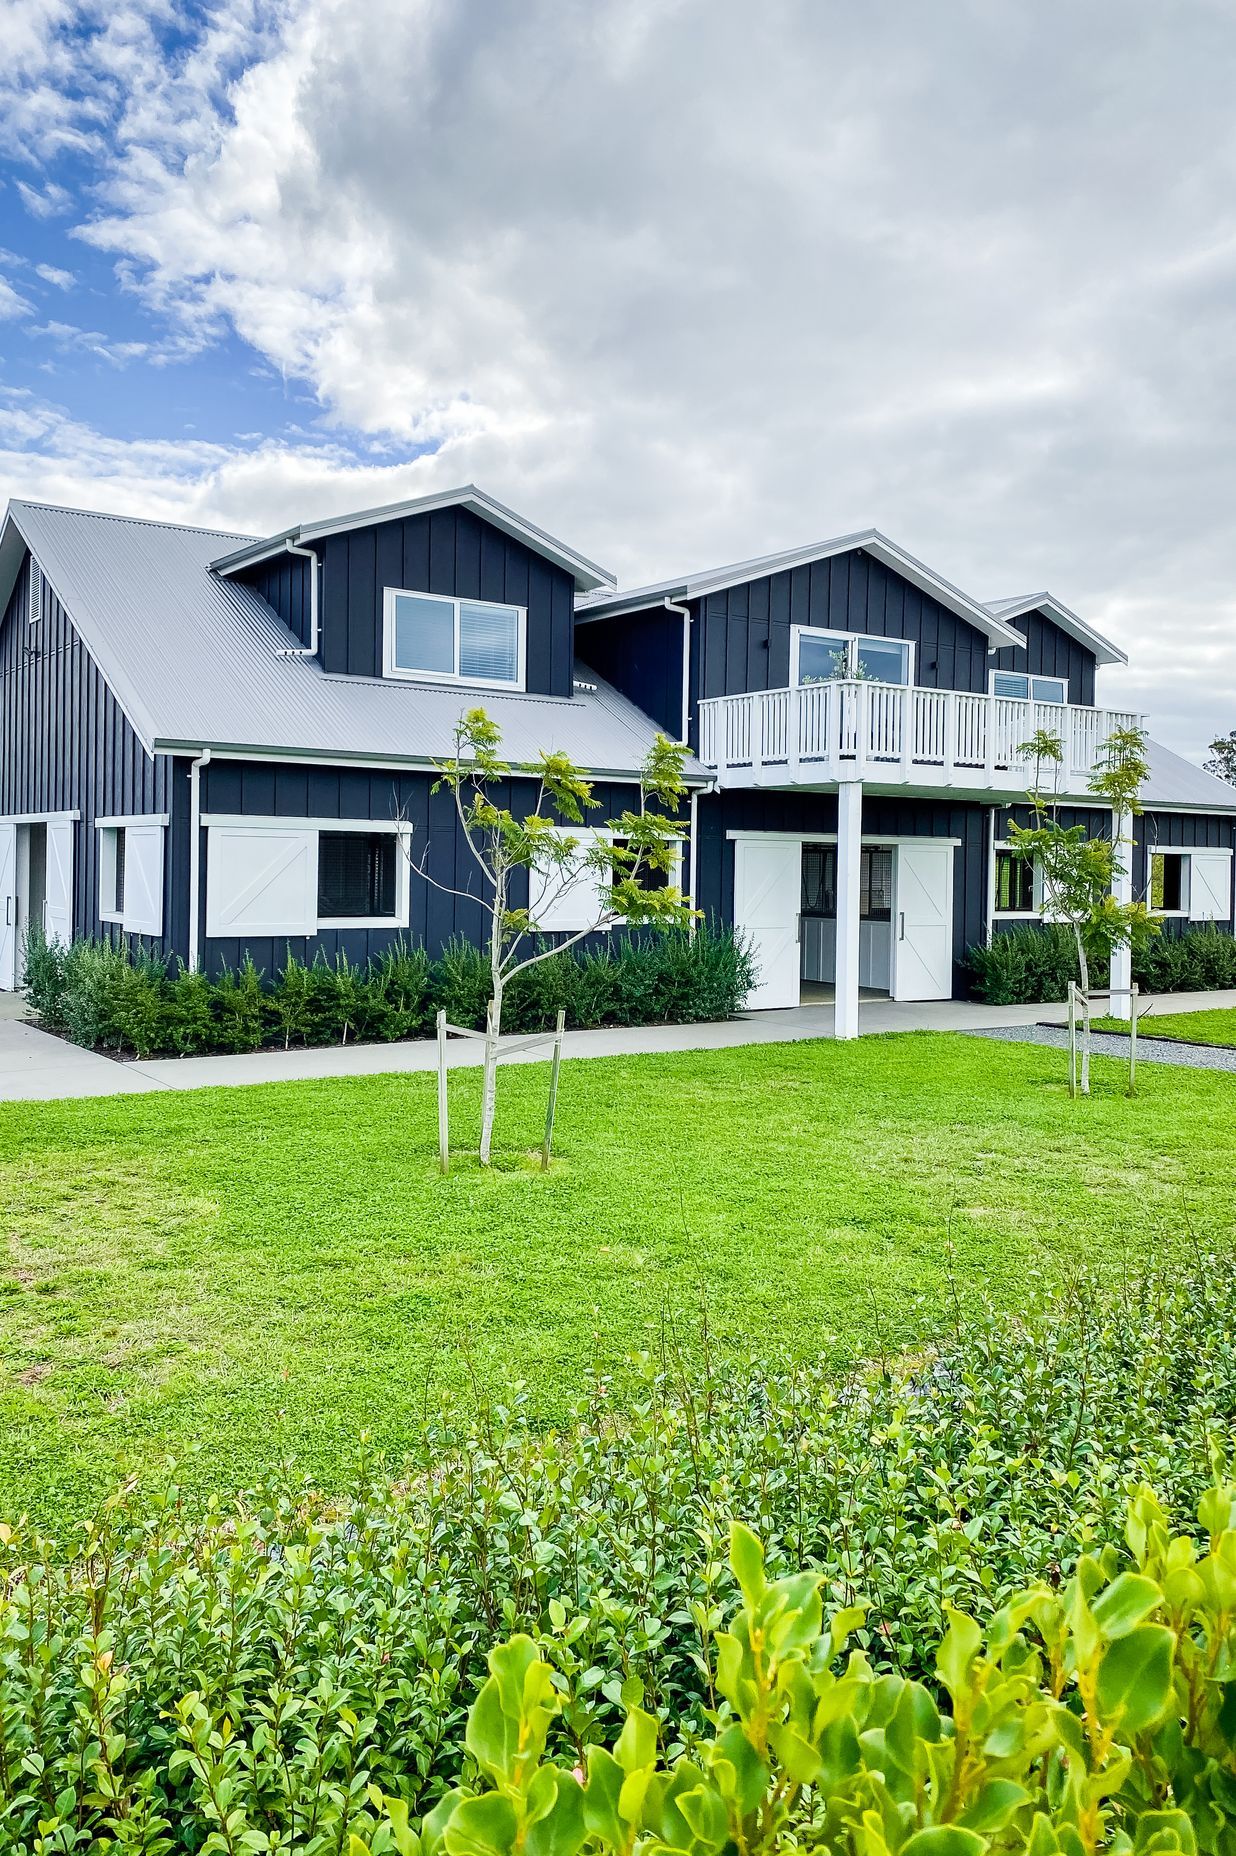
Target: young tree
[(1079, 872), (1222, 762), (537, 856)]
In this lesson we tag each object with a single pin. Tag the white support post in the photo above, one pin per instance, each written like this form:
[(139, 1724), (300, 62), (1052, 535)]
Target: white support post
[(849, 853), (1121, 1005)]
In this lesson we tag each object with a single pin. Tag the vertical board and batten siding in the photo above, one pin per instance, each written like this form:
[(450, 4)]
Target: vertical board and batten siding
[(453, 552), (1050, 652), (742, 638), (1168, 831), (883, 816), (68, 747), (640, 653), (287, 790)]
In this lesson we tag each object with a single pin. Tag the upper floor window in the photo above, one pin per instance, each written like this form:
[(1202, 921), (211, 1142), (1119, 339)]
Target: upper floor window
[(817, 656), (1022, 688), (453, 640)]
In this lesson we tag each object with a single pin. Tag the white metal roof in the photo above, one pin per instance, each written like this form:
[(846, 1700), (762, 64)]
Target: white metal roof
[(1105, 652), (715, 579), (586, 573), (1176, 784), (194, 660)]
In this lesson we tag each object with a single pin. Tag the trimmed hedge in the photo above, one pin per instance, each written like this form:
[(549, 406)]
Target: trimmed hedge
[(107, 996), (274, 1655), (1033, 963)]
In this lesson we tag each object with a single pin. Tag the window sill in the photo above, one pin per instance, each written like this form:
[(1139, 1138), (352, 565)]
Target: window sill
[(1018, 915), (117, 921), (446, 679), (359, 921)]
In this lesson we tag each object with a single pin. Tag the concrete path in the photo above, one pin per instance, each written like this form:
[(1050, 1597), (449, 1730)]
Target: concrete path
[(37, 1067)]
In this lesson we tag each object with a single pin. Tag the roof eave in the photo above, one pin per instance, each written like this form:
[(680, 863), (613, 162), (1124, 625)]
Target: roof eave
[(420, 763), (588, 576), (1105, 652)]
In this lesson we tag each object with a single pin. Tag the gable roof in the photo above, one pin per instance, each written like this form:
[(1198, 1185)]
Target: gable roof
[(193, 658), (586, 574), (1105, 652), (1176, 784), (716, 579)]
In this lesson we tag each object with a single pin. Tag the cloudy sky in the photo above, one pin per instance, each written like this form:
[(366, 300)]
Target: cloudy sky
[(683, 280)]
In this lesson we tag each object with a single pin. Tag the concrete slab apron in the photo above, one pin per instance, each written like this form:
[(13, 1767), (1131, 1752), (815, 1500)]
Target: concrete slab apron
[(35, 1067)]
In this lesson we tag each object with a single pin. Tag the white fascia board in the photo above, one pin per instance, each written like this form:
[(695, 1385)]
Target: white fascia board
[(1105, 652), (587, 574), (410, 763), (131, 818), (698, 586)]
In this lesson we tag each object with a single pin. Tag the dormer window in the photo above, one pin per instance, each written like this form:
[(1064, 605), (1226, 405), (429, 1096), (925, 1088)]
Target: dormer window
[(438, 640), (1016, 686)]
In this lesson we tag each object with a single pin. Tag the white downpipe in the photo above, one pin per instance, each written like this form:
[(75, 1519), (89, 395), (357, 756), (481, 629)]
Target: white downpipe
[(684, 613), (195, 857), (310, 649), (849, 869)]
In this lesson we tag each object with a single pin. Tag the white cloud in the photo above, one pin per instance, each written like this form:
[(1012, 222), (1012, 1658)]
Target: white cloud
[(52, 274), (12, 303), (689, 282), (46, 201)]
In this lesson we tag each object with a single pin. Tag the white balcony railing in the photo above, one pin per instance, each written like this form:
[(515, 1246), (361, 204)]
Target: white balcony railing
[(894, 734)]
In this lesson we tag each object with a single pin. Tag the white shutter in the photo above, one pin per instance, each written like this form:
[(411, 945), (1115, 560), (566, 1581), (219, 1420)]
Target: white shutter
[(261, 880), (562, 901), (58, 906), (143, 879), (1210, 886)]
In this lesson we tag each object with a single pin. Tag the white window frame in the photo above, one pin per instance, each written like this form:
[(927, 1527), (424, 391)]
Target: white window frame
[(391, 669), (107, 829), (1017, 915), (361, 827), (1186, 881), (1032, 677), (850, 641)]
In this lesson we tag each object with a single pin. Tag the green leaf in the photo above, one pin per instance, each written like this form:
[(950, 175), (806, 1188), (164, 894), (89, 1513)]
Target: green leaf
[(1135, 1677), (747, 1562), (944, 1840), (481, 1827), (1165, 1830), (995, 1807), (956, 1654), (1124, 1604)]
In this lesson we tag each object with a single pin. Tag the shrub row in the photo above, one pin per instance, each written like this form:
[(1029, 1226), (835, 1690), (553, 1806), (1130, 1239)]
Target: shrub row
[(301, 1647), (110, 997), (1033, 963)]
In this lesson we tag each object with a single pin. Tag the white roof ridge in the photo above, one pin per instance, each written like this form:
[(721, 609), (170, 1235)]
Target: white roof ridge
[(115, 515)]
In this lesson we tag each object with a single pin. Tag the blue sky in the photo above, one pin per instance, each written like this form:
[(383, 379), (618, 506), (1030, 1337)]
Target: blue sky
[(682, 280)]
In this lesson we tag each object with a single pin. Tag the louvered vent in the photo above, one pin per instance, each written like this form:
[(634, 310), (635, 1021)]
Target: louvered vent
[(36, 592)]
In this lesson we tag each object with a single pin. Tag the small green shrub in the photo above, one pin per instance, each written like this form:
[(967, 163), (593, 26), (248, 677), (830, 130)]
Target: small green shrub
[(1199, 959), (94, 1006), (1030, 964), (43, 975), (399, 989), (461, 983), (241, 1008), (189, 1019)]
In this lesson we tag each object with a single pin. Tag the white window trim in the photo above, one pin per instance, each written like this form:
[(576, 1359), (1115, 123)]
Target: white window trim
[(391, 669), (366, 827), (1186, 882), (798, 632), (1018, 915), (107, 868), (1047, 702)]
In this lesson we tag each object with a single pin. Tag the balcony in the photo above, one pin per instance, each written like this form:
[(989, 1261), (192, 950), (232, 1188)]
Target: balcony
[(888, 734)]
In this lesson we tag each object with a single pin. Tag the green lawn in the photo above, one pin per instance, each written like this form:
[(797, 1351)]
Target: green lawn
[(1196, 1027), (259, 1272)]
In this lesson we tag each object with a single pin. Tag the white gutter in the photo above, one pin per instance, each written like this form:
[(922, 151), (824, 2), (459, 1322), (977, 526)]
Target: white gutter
[(195, 856), (311, 649), (685, 614)]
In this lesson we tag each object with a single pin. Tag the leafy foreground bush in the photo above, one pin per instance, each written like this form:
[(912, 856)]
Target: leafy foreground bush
[(269, 1660), (1033, 963), (107, 996), (1100, 1716)]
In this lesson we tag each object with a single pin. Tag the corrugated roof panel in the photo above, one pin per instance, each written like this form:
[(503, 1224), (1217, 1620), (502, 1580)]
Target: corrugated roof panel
[(194, 659), (1177, 782)]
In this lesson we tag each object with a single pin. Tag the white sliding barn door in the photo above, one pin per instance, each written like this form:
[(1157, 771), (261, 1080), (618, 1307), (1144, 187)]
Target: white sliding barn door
[(923, 940), (58, 907), (8, 907), (767, 896)]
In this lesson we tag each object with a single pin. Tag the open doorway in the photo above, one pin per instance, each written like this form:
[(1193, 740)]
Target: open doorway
[(818, 916)]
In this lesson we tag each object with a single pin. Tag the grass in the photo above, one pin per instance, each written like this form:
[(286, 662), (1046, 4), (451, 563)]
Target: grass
[(231, 1276), (1194, 1027)]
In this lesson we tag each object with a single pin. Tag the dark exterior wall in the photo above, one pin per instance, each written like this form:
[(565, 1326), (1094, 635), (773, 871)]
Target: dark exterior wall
[(1183, 831), (284, 583), (68, 747), (742, 639), (448, 551), (1050, 652), (291, 790), (640, 653), (752, 810)]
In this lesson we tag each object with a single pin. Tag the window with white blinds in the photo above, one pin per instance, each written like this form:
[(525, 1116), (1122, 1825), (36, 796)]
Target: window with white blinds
[(453, 640)]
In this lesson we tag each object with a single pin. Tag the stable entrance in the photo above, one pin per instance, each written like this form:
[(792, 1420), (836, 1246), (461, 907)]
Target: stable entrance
[(36, 886), (787, 893)]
